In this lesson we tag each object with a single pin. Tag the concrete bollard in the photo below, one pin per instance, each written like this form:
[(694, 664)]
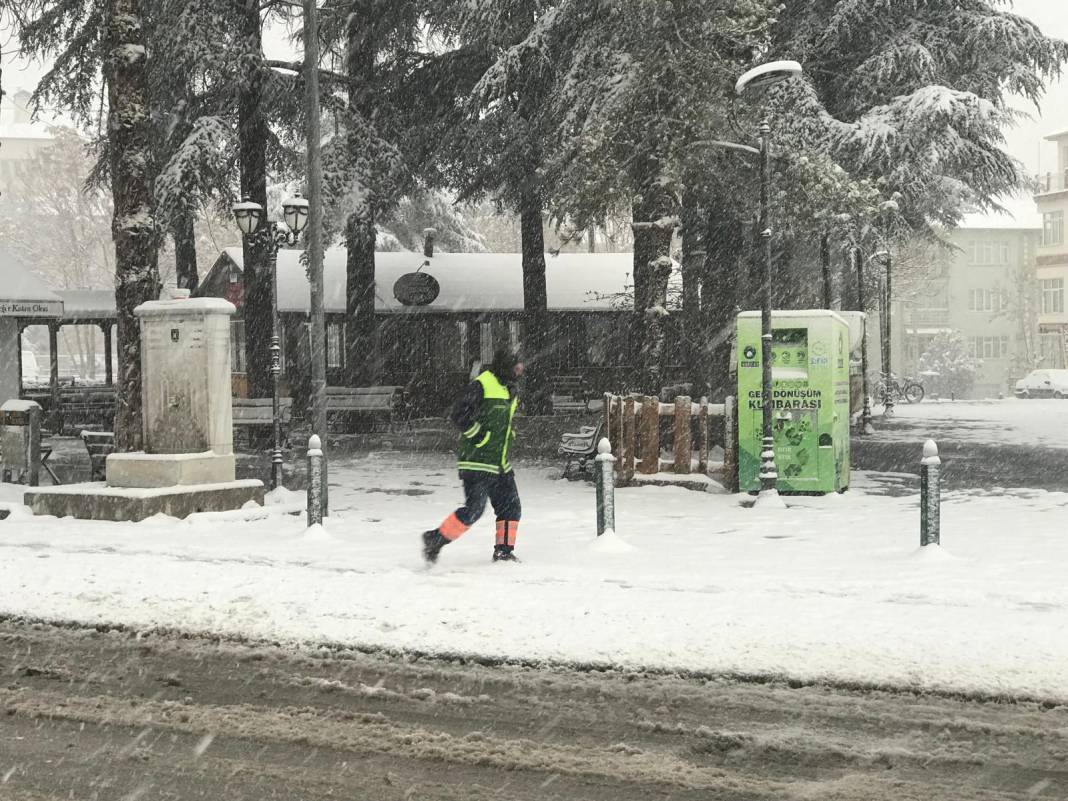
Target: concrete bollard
[(315, 481), (930, 495), (604, 478)]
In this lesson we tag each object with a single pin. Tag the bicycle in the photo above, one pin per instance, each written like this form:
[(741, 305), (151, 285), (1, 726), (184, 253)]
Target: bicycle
[(907, 389)]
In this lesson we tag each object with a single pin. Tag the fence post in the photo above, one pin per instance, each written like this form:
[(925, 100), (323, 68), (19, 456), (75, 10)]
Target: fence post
[(930, 495), (649, 434), (315, 481), (683, 436), (626, 446), (702, 434), (730, 442), (606, 488)]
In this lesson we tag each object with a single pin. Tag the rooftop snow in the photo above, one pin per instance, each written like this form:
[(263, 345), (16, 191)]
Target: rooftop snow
[(469, 281), (19, 285)]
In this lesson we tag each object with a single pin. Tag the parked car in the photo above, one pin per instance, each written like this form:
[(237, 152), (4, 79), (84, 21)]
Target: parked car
[(1043, 384)]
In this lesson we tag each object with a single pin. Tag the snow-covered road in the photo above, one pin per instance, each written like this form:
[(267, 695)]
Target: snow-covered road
[(834, 589)]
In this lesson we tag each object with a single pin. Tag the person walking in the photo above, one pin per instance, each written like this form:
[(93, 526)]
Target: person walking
[(484, 413)]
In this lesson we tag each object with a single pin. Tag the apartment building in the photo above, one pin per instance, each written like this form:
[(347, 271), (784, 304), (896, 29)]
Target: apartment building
[(983, 288), (1051, 266)]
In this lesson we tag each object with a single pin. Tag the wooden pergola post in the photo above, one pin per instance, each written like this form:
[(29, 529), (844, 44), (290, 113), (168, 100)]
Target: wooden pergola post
[(55, 418), (109, 370)]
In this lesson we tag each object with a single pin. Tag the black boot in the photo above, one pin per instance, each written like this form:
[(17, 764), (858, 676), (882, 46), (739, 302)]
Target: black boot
[(433, 542), (504, 553)]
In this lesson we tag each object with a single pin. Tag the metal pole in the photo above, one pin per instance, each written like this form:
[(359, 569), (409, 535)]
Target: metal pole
[(315, 229), (889, 405), (276, 363), (768, 474), (865, 415), (315, 481), (606, 491), (930, 495)]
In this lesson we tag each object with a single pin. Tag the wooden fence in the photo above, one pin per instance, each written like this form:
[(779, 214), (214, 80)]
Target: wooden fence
[(632, 424)]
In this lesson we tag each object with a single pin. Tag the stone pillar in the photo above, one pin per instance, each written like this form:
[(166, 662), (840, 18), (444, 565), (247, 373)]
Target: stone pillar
[(188, 415)]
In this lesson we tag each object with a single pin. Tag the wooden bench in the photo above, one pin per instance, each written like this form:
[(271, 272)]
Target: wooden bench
[(373, 403), (580, 447), (99, 445), (256, 416), (569, 394)]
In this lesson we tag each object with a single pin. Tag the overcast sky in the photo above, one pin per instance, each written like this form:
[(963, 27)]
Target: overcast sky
[(1025, 142)]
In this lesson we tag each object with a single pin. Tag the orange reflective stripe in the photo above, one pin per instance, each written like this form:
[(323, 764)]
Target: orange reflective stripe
[(452, 528), (506, 532)]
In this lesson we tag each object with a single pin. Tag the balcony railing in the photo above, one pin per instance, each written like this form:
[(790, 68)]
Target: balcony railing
[(1051, 182)]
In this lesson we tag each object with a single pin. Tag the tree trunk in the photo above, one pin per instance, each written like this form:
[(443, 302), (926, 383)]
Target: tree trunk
[(185, 251), (724, 291), (252, 132), (825, 269), (133, 229), (361, 362), (535, 299), (653, 226), (693, 259)]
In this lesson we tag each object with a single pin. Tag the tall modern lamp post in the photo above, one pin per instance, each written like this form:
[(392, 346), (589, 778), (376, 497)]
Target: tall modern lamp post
[(752, 82), (250, 217)]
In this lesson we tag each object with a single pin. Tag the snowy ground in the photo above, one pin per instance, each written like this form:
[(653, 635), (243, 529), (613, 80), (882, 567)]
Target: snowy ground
[(835, 589), (1030, 423)]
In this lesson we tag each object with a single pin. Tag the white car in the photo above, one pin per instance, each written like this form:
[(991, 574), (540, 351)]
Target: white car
[(1043, 384)]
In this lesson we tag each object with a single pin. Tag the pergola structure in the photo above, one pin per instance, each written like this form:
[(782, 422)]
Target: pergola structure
[(24, 301)]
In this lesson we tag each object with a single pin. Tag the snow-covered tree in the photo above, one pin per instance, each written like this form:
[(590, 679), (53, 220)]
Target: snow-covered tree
[(133, 228), (950, 372)]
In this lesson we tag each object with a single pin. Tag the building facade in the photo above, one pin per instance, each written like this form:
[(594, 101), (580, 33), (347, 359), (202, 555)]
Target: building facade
[(1052, 260), (984, 290)]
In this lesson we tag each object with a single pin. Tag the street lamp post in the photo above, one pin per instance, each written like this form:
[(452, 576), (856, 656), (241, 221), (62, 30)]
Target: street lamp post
[(249, 216), (755, 79)]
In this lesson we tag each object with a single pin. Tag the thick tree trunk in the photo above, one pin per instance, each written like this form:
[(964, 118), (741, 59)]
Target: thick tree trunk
[(724, 291), (825, 270), (535, 300), (362, 362), (185, 251), (133, 229), (252, 132), (654, 223), (693, 259)]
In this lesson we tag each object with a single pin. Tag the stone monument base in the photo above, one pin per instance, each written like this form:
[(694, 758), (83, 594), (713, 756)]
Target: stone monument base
[(98, 501), (159, 470)]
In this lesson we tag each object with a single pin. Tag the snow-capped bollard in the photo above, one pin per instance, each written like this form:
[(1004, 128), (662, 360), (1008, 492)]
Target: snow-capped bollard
[(930, 494), (604, 478), (315, 481)]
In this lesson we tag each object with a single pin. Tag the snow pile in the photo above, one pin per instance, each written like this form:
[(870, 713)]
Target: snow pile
[(831, 589)]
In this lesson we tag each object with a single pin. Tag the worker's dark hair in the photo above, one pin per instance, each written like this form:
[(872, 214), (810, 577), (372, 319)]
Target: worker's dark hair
[(503, 364)]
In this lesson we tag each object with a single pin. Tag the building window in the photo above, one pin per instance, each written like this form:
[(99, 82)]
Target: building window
[(1053, 228), (987, 300), (1052, 295), (335, 345), (486, 343), (988, 347), (237, 346), (988, 251), (461, 331), (1051, 350), (513, 335)]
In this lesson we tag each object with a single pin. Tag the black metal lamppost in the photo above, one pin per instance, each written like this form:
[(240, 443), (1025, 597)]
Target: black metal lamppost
[(250, 217)]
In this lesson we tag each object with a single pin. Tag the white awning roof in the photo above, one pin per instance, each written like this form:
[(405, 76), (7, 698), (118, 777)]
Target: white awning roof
[(468, 281), (22, 294)]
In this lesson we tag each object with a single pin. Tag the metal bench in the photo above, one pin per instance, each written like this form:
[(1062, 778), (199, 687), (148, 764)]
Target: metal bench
[(579, 448), (256, 416), (99, 445), (569, 394), (375, 403)]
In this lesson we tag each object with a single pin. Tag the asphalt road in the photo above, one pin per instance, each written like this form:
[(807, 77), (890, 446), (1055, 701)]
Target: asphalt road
[(113, 715)]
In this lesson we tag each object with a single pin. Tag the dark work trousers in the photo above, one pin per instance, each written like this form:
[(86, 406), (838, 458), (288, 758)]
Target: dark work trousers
[(500, 490)]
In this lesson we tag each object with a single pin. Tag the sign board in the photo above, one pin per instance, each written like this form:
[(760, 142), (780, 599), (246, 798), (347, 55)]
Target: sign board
[(416, 289), (31, 308), (810, 393)]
